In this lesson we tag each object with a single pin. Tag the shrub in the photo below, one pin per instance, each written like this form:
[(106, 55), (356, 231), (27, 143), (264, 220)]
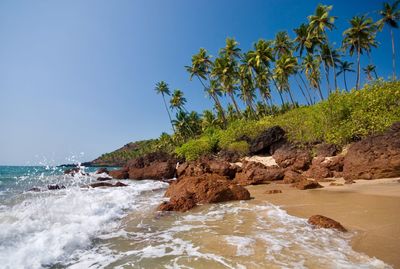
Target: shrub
[(241, 147)]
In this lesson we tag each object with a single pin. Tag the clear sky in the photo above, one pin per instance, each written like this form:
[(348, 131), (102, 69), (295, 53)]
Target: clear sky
[(77, 77)]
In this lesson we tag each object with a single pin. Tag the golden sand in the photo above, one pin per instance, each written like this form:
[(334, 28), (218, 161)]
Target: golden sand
[(372, 208)]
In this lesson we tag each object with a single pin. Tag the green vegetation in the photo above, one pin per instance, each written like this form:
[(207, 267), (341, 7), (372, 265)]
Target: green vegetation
[(308, 65)]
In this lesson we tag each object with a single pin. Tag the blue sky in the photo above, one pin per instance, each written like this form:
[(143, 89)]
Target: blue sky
[(77, 77)]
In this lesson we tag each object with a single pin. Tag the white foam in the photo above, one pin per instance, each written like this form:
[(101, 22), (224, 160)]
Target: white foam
[(243, 244), (48, 228)]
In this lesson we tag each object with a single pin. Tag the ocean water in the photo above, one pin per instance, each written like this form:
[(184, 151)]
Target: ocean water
[(79, 227)]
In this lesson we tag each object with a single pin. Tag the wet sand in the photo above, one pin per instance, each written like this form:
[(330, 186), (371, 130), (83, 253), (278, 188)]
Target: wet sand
[(371, 208)]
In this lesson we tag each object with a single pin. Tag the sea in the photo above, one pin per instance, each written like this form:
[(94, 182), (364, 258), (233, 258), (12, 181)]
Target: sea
[(80, 227)]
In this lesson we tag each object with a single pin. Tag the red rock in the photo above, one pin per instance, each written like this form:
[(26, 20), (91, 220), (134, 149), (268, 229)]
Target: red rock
[(106, 184), (102, 170), (307, 184), (254, 173), (207, 188), (273, 191), (289, 155), (120, 174), (323, 167), (335, 184), (155, 170), (207, 166), (291, 176), (320, 221), (374, 157), (103, 178), (326, 150)]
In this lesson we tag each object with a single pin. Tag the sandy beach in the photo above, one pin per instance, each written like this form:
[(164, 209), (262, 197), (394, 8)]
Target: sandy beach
[(369, 208)]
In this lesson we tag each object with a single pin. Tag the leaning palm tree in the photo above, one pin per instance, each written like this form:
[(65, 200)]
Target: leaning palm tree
[(319, 22), (201, 68), (360, 38), (247, 89), (390, 17), (345, 66), (162, 88), (311, 68), (285, 67), (369, 70), (224, 70), (178, 101), (282, 44), (231, 49)]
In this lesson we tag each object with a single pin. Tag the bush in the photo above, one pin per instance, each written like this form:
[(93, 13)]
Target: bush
[(241, 147), (195, 148)]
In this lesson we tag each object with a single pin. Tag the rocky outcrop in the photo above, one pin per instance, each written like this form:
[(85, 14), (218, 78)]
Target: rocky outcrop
[(376, 156), (325, 167), (326, 150), (75, 171), (120, 174), (207, 166), (320, 221), (106, 184), (291, 177), (207, 188), (262, 143), (293, 157), (307, 185), (253, 173)]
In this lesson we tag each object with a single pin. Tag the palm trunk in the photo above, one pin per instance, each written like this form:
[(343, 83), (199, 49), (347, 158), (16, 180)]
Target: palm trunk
[(376, 74), (358, 67), (345, 81), (279, 91), (393, 55), (234, 103), (219, 107), (291, 97), (169, 115), (320, 92), (302, 91), (333, 63), (306, 87)]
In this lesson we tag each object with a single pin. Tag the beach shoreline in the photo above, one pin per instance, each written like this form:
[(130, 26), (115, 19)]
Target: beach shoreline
[(368, 207)]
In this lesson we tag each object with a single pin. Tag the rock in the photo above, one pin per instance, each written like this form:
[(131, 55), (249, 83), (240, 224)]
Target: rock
[(120, 174), (156, 170), (207, 166), (291, 176), (254, 173), (55, 187), (106, 184), (324, 167), (307, 184), (273, 191), (207, 188), (102, 170), (181, 204), (320, 221), (103, 178), (35, 189), (262, 143), (374, 157), (72, 171), (326, 150), (289, 155), (229, 156)]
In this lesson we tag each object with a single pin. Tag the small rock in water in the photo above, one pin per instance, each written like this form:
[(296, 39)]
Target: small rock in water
[(102, 170), (107, 184), (273, 191), (320, 221), (35, 189), (307, 184), (103, 178), (335, 184), (55, 187)]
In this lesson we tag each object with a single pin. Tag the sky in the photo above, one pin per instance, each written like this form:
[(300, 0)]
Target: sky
[(77, 77)]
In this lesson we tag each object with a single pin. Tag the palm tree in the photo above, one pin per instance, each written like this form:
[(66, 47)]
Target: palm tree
[(369, 70), (319, 23), (180, 122), (358, 38), (285, 67), (311, 67), (201, 68), (178, 101), (345, 66), (208, 120), (225, 71), (162, 88), (390, 17), (247, 85), (282, 44), (330, 58)]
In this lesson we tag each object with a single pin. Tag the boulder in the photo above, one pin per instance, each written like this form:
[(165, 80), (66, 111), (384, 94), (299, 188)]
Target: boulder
[(103, 178), (55, 187), (155, 170), (207, 188), (324, 167), (289, 155), (261, 144), (307, 184), (102, 170), (291, 176), (326, 150), (120, 173), (207, 166), (376, 156), (106, 184), (320, 221), (254, 173)]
